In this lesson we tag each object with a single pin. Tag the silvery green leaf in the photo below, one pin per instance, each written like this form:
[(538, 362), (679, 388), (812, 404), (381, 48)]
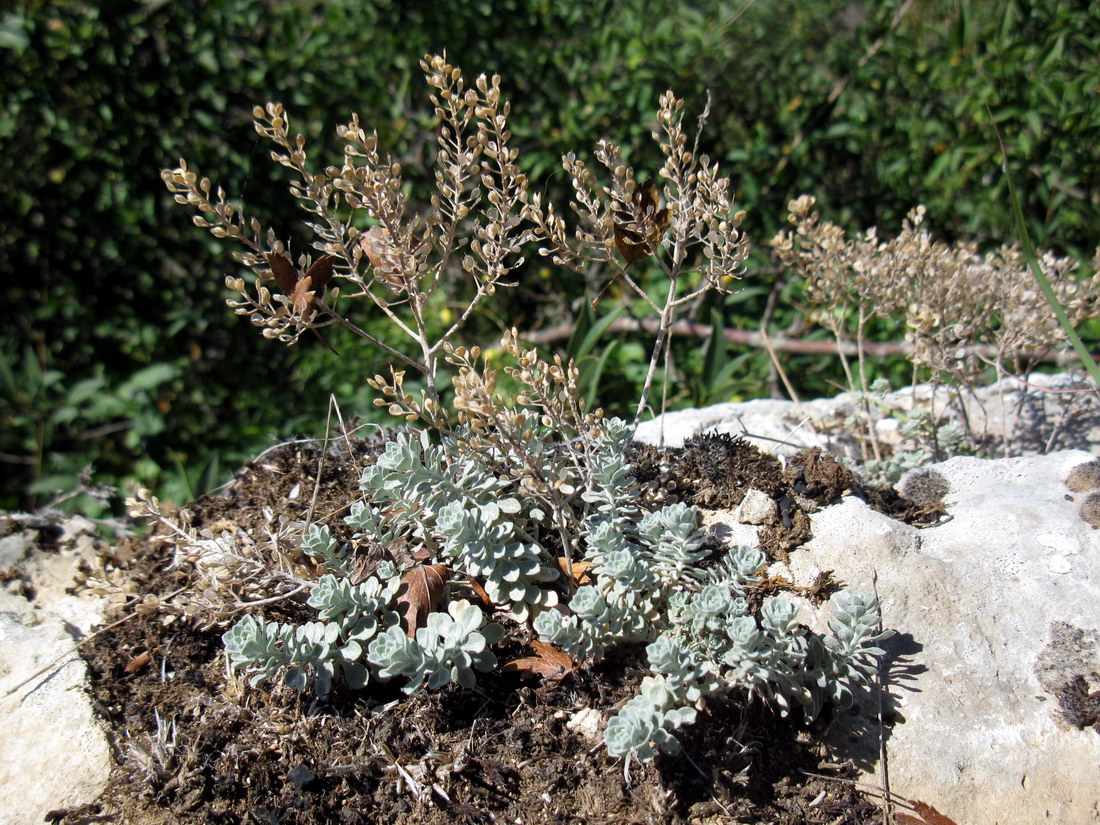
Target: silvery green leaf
[(394, 653), (351, 651), (295, 677), (588, 602), (356, 675), (492, 633), (464, 677), (318, 543), (779, 617)]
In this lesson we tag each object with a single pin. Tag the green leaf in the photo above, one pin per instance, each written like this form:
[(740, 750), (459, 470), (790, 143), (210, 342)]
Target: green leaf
[(592, 372), (148, 378), (13, 32), (581, 344), (714, 354)]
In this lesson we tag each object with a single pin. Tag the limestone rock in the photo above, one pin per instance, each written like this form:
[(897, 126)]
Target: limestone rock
[(53, 749), (757, 507), (995, 611), (1036, 421)]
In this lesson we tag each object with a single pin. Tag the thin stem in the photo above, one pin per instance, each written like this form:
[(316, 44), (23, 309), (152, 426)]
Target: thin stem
[(477, 299), (869, 419), (658, 347), (851, 382), (366, 336)]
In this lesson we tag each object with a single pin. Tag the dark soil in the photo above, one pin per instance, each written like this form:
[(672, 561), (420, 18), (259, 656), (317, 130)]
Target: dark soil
[(195, 746)]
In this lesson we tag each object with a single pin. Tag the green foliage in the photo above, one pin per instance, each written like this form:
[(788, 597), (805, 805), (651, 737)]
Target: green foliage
[(56, 429), (875, 112), (102, 281), (475, 519), (704, 639), (447, 650), (358, 629), (305, 654), (711, 644), (924, 439), (319, 545), (649, 719), (648, 584)]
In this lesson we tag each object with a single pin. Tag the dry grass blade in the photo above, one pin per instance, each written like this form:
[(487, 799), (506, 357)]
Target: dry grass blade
[(420, 593), (551, 664)]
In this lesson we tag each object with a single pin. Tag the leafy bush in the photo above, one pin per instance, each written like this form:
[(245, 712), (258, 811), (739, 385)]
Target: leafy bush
[(647, 586)]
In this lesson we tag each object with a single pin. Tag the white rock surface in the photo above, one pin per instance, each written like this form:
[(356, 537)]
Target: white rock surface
[(757, 507), (995, 609), (586, 722), (983, 605), (1038, 421), (53, 749)]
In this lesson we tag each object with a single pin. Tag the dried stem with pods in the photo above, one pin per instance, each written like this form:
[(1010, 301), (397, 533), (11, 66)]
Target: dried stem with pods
[(474, 225), (965, 311), (373, 246), (694, 238)]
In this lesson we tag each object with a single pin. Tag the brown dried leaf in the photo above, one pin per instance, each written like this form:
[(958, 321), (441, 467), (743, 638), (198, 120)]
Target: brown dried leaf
[(926, 815), (639, 230), (420, 593), (580, 568), (286, 274), (301, 287), (138, 662), (481, 594), (321, 272), (551, 664)]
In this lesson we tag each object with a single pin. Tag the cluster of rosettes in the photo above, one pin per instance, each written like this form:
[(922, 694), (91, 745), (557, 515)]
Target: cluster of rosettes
[(647, 584), (470, 517), (322, 651)]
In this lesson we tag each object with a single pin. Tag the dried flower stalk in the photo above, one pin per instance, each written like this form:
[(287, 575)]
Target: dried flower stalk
[(954, 299), (695, 238)]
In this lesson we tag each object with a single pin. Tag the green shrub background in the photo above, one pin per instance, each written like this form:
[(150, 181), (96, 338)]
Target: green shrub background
[(116, 349)]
